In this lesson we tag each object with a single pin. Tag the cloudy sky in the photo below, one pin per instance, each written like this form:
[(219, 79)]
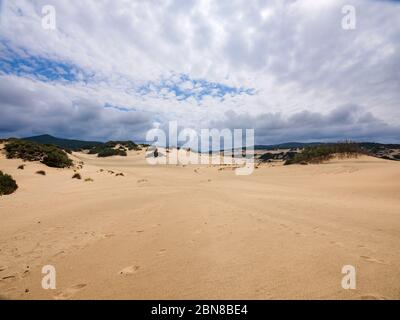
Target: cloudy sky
[(113, 68)]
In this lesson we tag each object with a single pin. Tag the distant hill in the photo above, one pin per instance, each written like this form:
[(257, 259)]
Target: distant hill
[(301, 145), (375, 145), (379, 150), (64, 143)]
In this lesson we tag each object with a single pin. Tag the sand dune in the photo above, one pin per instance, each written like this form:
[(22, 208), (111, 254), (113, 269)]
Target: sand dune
[(196, 232)]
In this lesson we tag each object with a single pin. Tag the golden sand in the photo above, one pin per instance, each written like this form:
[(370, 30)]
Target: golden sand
[(197, 232)]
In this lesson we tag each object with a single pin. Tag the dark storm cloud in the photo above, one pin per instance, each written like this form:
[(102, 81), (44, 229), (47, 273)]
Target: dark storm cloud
[(344, 122), (27, 112)]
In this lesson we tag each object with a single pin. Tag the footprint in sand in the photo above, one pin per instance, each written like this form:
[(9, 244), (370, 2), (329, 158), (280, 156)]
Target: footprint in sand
[(369, 259), (70, 292), (161, 252), (129, 270), (8, 278), (337, 243), (26, 273), (59, 253)]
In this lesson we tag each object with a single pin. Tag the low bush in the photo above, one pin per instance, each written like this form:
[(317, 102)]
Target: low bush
[(130, 145), (56, 159), (108, 152), (325, 152), (108, 149), (41, 172), (21, 167), (267, 157), (77, 176), (7, 184), (49, 155), (96, 149)]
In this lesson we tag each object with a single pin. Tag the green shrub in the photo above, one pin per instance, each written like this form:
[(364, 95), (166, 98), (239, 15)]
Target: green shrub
[(77, 176), (49, 155), (57, 159), (267, 157), (130, 145), (7, 184), (325, 152), (96, 149), (105, 150), (108, 152)]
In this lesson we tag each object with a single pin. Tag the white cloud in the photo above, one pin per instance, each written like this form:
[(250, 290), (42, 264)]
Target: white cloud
[(293, 53)]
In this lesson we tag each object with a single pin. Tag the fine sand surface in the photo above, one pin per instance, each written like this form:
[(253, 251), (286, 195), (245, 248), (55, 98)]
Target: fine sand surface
[(197, 232)]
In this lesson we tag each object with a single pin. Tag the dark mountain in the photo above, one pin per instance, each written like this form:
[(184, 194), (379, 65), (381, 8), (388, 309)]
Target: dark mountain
[(64, 143), (373, 146), (377, 146)]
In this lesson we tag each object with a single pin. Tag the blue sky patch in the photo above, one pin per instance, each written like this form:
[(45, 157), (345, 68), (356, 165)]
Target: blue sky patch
[(38, 67), (42, 68), (183, 87), (119, 108), (178, 86)]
